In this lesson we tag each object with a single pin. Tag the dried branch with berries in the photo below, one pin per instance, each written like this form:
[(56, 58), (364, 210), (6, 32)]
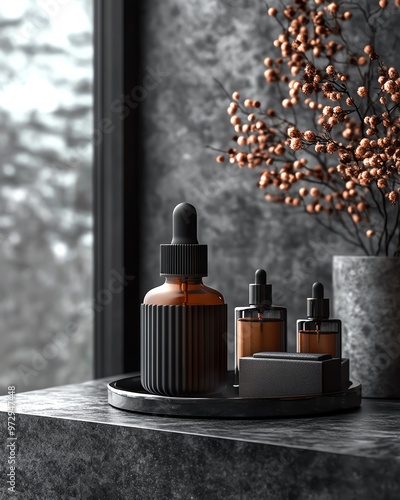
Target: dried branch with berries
[(332, 149)]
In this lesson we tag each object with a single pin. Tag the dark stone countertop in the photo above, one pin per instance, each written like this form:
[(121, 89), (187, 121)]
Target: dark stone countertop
[(92, 450)]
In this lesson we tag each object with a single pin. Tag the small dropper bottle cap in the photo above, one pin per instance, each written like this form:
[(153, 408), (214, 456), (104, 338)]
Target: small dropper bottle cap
[(184, 256), (317, 305), (260, 293)]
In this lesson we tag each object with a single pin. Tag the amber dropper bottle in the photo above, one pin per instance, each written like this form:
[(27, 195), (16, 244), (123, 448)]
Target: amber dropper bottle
[(261, 326), (183, 321), (318, 333)]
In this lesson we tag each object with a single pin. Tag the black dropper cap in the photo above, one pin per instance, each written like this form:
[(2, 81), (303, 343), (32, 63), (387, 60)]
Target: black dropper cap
[(317, 305), (260, 293), (184, 256)]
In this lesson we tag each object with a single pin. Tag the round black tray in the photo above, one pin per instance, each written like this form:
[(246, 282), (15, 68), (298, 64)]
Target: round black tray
[(128, 394)]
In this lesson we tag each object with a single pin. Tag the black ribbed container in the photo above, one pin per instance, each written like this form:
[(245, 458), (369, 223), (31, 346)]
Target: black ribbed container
[(183, 349)]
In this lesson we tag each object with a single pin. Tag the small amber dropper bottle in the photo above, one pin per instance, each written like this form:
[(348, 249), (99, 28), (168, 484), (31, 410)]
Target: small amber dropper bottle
[(260, 326), (183, 321), (318, 333)]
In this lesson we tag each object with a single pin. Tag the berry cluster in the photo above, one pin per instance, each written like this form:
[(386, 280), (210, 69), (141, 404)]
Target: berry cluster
[(346, 163)]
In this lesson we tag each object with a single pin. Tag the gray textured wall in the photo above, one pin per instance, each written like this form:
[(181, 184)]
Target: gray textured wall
[(197, 42)]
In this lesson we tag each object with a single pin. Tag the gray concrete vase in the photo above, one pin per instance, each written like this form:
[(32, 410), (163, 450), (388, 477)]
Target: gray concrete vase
[(367, 300)]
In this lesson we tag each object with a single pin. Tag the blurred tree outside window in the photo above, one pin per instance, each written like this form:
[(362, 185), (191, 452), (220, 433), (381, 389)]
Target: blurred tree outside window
[(46, 105)]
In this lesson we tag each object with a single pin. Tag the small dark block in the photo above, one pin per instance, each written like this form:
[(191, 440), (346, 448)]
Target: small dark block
[(345, 374), (270, 377)]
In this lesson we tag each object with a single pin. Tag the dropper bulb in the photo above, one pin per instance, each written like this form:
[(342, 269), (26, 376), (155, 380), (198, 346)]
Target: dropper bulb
[(260, 277), (318, 290), (184, 225), (260, 293)]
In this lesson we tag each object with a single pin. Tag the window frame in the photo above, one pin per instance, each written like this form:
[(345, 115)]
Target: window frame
[(117, 188)]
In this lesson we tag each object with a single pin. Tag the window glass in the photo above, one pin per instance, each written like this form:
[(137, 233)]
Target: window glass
[(46, 105)]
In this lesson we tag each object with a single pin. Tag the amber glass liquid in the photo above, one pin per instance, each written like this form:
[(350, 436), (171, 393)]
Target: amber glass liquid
[(179, 291), (318, 342), (259, 335)]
